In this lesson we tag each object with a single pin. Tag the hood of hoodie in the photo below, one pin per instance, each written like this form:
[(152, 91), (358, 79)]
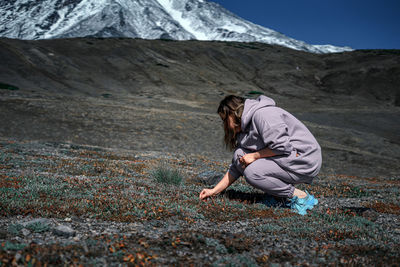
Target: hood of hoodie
[(251, 106)]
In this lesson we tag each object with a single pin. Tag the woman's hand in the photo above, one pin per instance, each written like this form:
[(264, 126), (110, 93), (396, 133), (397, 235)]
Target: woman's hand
[(206, 193), (226, 181), (247, 159)]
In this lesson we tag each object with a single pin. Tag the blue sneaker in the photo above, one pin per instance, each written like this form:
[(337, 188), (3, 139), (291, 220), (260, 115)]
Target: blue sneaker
[(296, 205), (311, 201), (301, 205)]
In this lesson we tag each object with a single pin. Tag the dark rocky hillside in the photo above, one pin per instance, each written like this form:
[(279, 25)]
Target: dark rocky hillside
[(195, 70)]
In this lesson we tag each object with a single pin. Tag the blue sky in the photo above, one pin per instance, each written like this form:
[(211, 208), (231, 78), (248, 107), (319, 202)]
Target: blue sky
[(360, 24)]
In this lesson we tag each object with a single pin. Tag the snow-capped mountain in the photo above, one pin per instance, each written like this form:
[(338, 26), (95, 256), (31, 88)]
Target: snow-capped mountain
[(148, 19)]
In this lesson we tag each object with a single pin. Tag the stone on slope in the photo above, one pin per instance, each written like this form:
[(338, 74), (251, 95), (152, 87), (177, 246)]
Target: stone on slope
[(210, 177), (64, 230)]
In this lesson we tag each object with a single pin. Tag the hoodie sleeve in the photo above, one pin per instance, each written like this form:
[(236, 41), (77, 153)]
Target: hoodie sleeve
[(234, 171), (274, 135)]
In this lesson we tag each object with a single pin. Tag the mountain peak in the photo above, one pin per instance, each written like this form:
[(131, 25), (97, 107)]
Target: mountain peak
[(147, 19)]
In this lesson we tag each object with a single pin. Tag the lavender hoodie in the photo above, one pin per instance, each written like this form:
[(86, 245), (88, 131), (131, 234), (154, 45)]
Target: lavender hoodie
[(265, 125)]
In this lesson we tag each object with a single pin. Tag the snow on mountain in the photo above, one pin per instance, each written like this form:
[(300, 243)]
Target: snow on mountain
[(148, 19)]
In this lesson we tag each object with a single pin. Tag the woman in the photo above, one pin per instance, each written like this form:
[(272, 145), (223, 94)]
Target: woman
[(273, 150)]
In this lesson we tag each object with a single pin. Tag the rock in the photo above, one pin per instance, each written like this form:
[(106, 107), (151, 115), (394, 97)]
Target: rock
[(210, 177), (37, 241), (17, 257), (321, 260), (36, 221), (26, 232), (67, 219), (63, 230)]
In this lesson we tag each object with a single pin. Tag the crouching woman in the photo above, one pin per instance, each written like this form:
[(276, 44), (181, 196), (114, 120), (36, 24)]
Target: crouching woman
[(273, 150)]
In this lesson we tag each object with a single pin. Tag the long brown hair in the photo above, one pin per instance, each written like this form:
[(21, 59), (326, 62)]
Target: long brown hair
[(232, 106)]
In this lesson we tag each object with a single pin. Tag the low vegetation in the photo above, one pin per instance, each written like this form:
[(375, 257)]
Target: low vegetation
[(167, 175), (159, 195)]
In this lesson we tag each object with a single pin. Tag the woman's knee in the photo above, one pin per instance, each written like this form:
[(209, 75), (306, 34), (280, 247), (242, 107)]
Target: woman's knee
[(252, 172), (237, 154), (270, 185), (259, 182)]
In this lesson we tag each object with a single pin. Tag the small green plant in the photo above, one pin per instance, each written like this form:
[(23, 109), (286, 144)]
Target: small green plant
[(255, 93), (269, 228), (8, 86), (15, 228), (167, 175), (13, 246), (106, 95), (38, 227), (236, 260), (162, 65), (136, 212), (220, 248), (242, 188)]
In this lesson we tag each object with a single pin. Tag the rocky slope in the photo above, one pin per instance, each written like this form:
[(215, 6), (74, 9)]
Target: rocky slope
[(90, 66), (163, 95)]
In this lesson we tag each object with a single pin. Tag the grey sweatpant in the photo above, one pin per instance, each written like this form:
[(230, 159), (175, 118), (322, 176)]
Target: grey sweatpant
[(267, 175)]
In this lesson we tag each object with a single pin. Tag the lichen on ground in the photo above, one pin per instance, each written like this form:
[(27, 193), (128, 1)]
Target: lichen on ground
[(121, 214)]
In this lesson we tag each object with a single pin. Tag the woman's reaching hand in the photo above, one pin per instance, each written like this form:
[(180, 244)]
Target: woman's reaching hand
[(206, 193), (226, 181)]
